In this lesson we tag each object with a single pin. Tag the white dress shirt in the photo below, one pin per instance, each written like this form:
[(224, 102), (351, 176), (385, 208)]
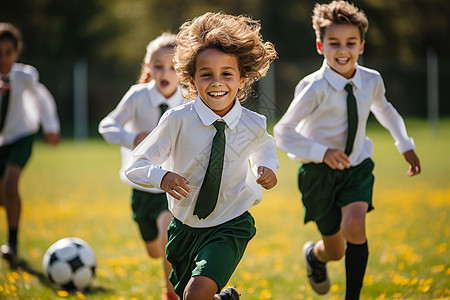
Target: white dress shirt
[(137, 112), (182, 143), (30, 105), (317, 117)]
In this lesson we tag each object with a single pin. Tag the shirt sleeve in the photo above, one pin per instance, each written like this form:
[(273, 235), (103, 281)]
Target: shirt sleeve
[(287, 138), (390, 119), (112, 126), (265, 153), (47, 109), (143, 168)]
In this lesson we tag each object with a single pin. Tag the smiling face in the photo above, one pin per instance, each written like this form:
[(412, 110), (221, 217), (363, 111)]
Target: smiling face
[(8, 55), (162, 71), (341, 46), (217, 79)]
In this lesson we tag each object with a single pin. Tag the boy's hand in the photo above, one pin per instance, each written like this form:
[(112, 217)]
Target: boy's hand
[(175, 185), (336, 159), (266, 178), (414, 162), (51, 138), (139, 138)]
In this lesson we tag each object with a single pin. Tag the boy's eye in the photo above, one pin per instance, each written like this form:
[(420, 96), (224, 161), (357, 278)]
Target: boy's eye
[(227, 74), (205, 75)]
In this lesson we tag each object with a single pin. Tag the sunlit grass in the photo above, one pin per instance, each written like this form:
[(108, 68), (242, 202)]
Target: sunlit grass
[(74, 190)]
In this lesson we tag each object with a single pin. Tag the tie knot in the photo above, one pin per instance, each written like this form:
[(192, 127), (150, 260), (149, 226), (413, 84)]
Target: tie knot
[(163, 107), (220, 126), (349, 88)]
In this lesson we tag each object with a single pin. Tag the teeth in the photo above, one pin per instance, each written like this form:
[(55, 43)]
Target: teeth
[(217, 94), (342, 60)]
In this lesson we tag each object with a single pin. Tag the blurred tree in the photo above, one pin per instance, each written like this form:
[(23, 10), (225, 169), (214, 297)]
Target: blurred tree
[(112, 35)]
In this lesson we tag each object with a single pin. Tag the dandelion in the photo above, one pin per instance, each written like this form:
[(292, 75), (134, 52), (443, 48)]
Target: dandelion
[(62, 293), (265, 294), (437, 269)]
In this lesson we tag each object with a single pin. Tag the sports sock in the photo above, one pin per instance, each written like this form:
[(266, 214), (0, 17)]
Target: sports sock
[(356, 257), (12, 238)]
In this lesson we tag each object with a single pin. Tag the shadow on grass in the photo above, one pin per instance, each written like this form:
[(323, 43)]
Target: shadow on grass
[(21, 265)]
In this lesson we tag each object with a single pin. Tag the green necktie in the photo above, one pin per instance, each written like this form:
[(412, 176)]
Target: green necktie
[(352, 113), (163, 108), (207, 197), (4, 105)]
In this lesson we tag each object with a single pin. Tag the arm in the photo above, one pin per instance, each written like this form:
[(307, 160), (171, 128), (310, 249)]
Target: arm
[(48, 114), (143, 167), (264, 160), (111, 127), (390, 119), (288, 139)]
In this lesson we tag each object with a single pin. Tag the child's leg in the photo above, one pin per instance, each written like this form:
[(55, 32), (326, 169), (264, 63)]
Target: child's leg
[(12, 201), (163, 222), (200, 288), (356, 256), (331, 247), (153, 249)]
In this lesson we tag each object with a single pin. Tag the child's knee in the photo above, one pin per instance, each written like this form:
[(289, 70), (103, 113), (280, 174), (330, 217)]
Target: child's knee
[(354, 229), (10, 189), (200, 288), (153, 249)]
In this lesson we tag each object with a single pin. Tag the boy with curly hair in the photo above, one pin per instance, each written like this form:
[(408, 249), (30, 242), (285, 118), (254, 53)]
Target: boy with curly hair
[(325, 129), (207, 145)]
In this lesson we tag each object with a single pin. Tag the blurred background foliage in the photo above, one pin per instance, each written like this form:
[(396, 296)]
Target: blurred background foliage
[(111, 36)]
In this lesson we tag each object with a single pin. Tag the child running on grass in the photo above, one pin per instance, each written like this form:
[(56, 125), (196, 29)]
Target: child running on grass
[(205, 147), (129, 123), (25, 104), (325, 129)]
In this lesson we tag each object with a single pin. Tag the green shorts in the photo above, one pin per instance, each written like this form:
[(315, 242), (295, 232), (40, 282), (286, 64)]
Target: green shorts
[(213, 252), (16, 153), (146, 209), (325, 191)]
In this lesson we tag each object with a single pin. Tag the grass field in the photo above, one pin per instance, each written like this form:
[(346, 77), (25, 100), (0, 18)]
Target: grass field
[(74, 190)]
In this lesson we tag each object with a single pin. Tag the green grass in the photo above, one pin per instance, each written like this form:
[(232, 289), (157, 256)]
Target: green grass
[(74, 190)]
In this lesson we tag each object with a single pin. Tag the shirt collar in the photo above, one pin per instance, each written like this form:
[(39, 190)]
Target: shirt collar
[(339, 82), (207, 116), (156, 98)]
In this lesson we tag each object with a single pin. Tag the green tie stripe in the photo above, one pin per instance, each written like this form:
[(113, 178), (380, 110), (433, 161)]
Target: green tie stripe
[(163, 108), (352, 113), (209, 192)]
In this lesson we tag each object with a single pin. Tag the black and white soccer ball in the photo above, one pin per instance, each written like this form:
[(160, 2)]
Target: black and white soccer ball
[(69, 264)]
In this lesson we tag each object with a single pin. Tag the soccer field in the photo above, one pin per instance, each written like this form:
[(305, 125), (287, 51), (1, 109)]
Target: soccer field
[(74, 190)]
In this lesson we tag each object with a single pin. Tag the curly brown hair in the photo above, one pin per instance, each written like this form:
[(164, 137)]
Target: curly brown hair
[(235, 35), (338, 12), (166, 39)]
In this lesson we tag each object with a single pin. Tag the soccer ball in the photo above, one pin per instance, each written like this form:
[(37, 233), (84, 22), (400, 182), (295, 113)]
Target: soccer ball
[(69, 264)]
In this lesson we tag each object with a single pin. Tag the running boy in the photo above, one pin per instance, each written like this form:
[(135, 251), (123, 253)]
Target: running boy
[(207, 145), (327, 133), (129, 123), (25, 105)]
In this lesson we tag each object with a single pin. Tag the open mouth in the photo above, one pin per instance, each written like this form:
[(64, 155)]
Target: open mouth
[(164, 83), (217, 94), (342, 61)]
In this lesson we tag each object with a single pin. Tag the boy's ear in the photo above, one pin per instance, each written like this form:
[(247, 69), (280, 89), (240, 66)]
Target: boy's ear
[(319, 47), (242, 82), (361, 49)]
